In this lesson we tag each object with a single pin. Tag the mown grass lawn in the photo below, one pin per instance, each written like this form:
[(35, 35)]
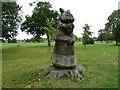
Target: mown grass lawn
[(23, 66)]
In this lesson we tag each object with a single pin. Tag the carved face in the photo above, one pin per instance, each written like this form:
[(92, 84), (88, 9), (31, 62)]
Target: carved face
[(66, 16), (67, 28), (66, 21)]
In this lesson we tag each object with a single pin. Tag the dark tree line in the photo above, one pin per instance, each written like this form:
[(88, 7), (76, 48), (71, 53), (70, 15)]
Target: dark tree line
[(11, 18), (112, 28)]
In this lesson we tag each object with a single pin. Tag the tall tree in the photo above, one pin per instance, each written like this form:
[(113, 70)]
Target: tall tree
[(108, 33), (101, 35), (86, 33), (114, 25), (11, 18), (38, 22), (49, 30), (76, 38)]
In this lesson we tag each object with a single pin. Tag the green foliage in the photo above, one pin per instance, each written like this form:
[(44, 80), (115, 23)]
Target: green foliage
[(76, 38), (113, 25), (89, 41), (112, 28), (3, 41), (105, 34), (12, 41), (49, 30), (11, 18), (108, 33), (40, 22), (86, 34), (35, 39), (27, 40), (101, 35)]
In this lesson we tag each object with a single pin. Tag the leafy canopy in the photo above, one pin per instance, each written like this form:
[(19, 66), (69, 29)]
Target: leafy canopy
[(113, 24), (11, 18), (86, 33), (37, 23)]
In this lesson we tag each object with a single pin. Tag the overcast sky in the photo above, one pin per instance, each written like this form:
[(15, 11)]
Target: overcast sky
[(92, 12)]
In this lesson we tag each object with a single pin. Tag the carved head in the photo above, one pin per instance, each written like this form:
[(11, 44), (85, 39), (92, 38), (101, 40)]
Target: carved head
[(66, 21), (66, 16)]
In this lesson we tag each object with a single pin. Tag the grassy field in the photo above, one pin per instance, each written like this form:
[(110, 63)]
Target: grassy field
[(23, 66)]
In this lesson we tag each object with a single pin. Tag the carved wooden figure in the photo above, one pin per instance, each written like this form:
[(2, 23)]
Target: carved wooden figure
[(63, 59)]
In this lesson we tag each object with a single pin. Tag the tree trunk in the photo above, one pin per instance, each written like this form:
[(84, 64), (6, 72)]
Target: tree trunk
[(84, 45), (116, 42), (49, 44), (8, 40)]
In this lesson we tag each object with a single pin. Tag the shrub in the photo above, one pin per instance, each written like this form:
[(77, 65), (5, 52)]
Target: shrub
[(89, 41)]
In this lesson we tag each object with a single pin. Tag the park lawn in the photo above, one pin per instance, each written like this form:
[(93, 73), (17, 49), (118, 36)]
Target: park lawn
[(23, 66)]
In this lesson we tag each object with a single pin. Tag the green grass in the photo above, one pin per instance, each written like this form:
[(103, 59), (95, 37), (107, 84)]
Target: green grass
[(23, 66)]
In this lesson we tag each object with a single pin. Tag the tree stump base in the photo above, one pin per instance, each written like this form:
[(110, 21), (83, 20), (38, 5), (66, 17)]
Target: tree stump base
[(54, 73)]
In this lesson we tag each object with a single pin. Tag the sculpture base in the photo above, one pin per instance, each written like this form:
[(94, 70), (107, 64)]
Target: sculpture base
[(63, 61), (54, 73)]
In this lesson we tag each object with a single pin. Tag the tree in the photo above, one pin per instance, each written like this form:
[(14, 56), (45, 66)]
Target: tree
[(101, 35), (11, 19), (86, 34), (108, 33), (35, 39), (12, 41), (113, 25), (76, 38), (38, 23), (49, 30), (91, 41)]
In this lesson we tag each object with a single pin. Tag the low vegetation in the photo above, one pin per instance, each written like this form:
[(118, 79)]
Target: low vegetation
[(23, 66)]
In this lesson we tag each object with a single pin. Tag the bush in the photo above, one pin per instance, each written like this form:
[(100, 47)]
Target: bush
[(12, 41), (86, 42), (89, 41), (3, 41)]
